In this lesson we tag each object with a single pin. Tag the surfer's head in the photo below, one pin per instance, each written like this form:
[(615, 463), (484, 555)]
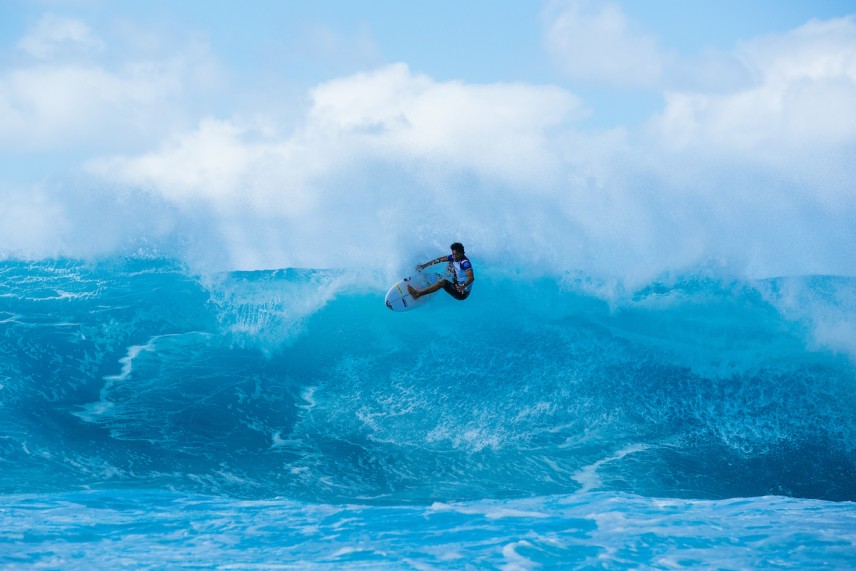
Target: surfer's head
[(457, 247)]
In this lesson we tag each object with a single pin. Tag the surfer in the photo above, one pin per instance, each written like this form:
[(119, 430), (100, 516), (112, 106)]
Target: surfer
[(461, 274)]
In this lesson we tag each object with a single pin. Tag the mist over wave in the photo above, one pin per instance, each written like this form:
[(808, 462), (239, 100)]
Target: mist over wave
[(389, 166)]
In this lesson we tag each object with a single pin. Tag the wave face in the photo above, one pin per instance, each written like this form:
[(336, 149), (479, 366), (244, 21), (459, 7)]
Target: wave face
[(299, 384)]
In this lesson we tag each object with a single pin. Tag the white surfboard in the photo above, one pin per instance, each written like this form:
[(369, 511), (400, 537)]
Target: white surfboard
[(399, 299)]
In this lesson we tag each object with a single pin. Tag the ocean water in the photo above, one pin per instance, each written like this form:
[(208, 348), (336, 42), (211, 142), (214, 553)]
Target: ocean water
[(152, 416)]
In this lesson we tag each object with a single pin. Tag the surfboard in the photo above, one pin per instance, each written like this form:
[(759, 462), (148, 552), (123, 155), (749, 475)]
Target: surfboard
[(399, 299)]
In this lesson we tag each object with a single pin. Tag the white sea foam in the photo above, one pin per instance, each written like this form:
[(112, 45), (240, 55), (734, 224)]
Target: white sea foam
[(588, 477), (92, 411), (127, 361)]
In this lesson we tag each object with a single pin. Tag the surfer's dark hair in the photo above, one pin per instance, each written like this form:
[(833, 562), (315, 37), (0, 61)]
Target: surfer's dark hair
[(457, 247)]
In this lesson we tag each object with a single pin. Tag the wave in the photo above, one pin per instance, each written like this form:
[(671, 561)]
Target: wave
[(300, 384)]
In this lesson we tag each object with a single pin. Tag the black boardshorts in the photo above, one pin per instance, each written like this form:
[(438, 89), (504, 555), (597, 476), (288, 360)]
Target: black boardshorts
[(453, 291)]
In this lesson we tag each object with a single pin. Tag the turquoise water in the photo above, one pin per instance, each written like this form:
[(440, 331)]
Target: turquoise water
[(157, 418)]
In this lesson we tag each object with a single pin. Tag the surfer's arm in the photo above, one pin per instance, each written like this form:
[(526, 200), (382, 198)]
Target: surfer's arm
[(432, 262)]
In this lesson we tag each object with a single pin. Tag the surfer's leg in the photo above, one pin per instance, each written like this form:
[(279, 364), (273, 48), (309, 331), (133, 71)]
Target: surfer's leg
[(430, 289)]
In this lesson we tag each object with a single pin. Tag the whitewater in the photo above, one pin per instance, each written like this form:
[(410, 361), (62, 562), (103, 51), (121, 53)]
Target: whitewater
[(156, 416)]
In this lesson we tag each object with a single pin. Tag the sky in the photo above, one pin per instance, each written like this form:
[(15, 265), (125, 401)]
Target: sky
[(611, 137)]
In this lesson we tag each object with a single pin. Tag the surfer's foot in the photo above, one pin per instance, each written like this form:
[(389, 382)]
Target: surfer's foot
[(413, 291)]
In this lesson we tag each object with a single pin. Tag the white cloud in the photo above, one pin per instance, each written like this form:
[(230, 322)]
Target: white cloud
[(390, 114), (222, 165), (60, 106), (595, 42), (803, 97), (57, 35), (820, 49), (499, 130), (750, 162), (338, 180), (202, 163)]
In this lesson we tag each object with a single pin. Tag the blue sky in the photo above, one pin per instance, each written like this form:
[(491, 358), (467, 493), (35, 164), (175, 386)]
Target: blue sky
[(479, 41), (655, 133)]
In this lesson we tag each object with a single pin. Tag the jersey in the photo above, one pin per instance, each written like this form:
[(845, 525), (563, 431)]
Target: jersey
[(460, 269)]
